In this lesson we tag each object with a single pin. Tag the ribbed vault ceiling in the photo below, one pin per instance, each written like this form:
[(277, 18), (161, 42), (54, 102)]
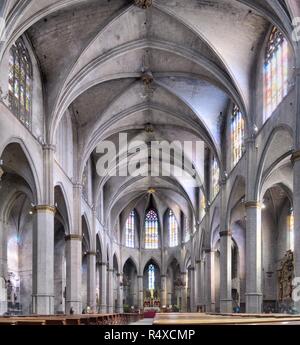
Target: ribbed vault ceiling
[(94, 53)]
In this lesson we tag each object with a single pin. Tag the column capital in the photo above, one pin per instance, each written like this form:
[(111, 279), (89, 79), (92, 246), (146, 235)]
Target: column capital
[(91, 254), (139, 276), (102, 264), (44, 208), (163, 276), (297, 71), (77, 184), (111, 270), (143, 3), (295, 156), (208, 251), (226, 233), (49, 147), (252, 204), (250, 140), (222, 181), (73, 237)]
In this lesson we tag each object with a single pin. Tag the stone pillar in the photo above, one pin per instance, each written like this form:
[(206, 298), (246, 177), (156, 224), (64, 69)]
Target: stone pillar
[(120, 294), (198, 284), (210, 279), (183, 293), (3, 267), (73, 263), (296, 207), (91, 280), (164, 300), (103, 286), (43, 261), (253, 293), (296, 181), (110, 290), (141, 291), (225, 272), (193, 305), (202, 284)]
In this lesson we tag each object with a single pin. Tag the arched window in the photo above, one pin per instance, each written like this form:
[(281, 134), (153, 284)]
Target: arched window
[(151, 230), (187, 234), (130, 227), (151, 277), (215, 178), (173, 230), (20, 82), (237, 135), (291, 230), (202, 205), (275, 72)]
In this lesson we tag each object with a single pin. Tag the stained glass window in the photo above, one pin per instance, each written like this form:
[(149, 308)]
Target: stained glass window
[(151, 277), (237, 135), (130, 227), (291, 230), (85, 187), (275, 72), (187, 234), (215, 178), (173, 230), (20, 82), (202, 205), (151, 230)]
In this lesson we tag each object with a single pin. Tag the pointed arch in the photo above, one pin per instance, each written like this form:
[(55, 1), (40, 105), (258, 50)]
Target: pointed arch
[(60, 199), (282, 137), (237, 193), (29, 171), (86, 233), (131, 260), (99, 248)]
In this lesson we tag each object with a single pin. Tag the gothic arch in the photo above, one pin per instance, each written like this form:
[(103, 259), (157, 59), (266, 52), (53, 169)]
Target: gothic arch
[(279, 153), (29, 167)]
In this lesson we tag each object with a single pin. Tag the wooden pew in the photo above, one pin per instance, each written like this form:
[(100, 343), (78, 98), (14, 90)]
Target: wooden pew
[(86, 319)]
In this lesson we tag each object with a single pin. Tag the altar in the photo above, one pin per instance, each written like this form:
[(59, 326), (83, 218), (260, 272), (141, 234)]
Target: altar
[(152, 300)]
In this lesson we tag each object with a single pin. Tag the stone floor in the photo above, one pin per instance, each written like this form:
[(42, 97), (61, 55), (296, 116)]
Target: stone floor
[(225, 319), (143, 322)]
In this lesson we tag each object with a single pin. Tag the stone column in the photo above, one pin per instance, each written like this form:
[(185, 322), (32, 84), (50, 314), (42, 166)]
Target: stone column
[(296, 182), (296, 207), (120, 294), (3, 267), (43, 260), (193, 305), (73, 263), (183, 293), (253, 293), (198, 283), (91, 280), (164, 300), (202, 284), (210, 279), (141, 291), (225, 272), (103, 286), (110, 290)]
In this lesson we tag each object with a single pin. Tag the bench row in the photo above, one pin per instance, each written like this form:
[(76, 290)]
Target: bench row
[(87, 319)]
